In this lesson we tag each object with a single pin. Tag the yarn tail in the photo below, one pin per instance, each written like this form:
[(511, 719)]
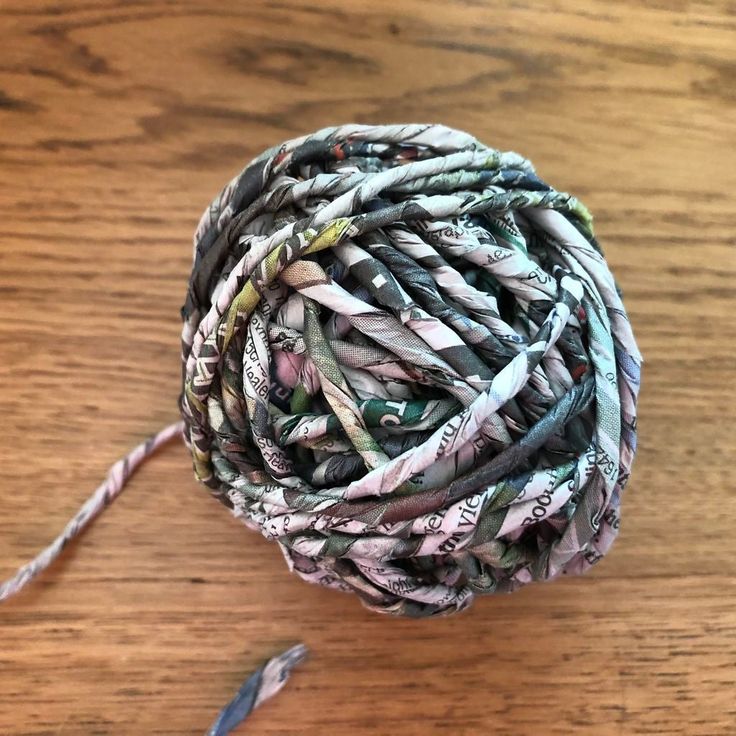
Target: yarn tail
[(259, 687), (109, 489)]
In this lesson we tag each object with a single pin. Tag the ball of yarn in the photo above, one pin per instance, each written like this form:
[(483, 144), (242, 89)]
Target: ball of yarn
[(406, 361)]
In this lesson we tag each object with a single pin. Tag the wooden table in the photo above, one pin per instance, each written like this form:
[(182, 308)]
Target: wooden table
[(119, 121)]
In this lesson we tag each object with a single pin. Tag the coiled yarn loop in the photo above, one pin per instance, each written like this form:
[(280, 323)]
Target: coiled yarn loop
[(406, 361)]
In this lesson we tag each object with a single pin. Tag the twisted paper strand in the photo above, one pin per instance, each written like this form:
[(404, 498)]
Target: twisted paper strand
[(104, 495), (264, 683)]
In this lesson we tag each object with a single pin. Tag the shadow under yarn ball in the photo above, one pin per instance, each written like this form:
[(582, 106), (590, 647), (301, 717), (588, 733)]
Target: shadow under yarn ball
[(406, 361)]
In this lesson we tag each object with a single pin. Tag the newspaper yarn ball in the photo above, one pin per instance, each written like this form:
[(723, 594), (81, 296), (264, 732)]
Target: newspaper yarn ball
[(406, 361)]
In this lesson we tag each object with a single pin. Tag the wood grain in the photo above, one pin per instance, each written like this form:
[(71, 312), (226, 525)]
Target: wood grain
[(118, 122)]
